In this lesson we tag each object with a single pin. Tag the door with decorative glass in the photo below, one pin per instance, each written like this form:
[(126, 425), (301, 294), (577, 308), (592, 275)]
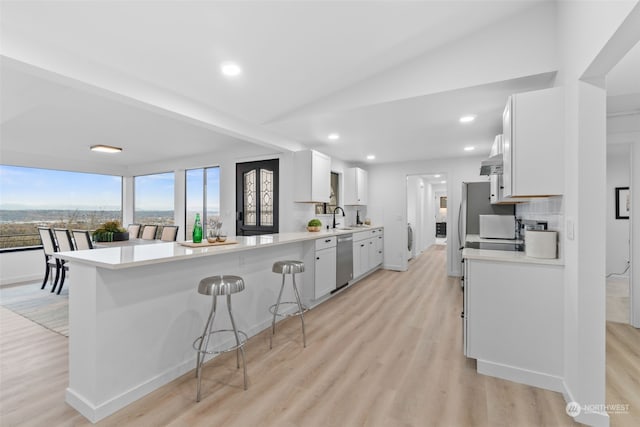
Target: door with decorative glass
[(257, 197)]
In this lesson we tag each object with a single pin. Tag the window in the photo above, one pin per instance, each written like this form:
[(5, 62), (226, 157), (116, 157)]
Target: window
[(327, 208), (31, 197), (257, 197), (154, 199), (203, 189)]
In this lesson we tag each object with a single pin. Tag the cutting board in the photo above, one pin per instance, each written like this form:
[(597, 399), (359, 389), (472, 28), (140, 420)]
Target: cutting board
[(205, 244)]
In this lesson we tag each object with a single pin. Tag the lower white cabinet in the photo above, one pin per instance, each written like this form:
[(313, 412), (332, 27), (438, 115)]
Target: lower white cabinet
[(325, 272), (368, 249), (514, 320)]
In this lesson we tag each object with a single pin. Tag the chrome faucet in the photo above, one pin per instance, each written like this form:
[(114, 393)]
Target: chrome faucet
[(334, 215)]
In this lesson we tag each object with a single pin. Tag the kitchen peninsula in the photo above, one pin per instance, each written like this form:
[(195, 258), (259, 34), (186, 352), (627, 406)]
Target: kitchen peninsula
[(134, 310)]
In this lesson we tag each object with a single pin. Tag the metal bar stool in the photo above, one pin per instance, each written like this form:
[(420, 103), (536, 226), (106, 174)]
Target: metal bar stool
[(284, 268), (219, 286)]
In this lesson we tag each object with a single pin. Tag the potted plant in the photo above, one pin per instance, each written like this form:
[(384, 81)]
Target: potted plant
[(110, 231), (314, 225)]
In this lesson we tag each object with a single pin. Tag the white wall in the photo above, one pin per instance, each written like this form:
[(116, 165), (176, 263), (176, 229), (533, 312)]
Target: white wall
[(618, 175), (635, 236), (413, 196), (584, 29), (22, 266), (388, 203), (429, 235)]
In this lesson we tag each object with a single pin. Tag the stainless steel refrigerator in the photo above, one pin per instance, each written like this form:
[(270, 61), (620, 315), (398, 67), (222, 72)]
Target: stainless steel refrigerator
[(476, 201)]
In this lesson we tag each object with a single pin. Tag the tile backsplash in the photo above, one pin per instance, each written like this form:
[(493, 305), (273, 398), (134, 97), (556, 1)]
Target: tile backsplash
[(549, 209)]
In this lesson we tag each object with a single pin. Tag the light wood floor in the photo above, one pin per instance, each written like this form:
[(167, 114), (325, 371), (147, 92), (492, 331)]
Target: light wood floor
[(618, 299), (386, 352)]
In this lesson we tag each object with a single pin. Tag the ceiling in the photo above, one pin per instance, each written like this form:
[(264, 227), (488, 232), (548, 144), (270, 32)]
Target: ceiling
[(145, 76)]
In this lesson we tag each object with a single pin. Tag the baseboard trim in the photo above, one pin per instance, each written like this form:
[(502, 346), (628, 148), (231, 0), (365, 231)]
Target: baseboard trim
[(21, 280), (395, 267), (519, 375)]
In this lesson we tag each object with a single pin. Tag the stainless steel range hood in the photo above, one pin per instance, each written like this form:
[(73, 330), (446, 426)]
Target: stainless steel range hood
[(492, 166)]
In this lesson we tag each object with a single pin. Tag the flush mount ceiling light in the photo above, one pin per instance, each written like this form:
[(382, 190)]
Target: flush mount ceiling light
[(467, 119), (443, 182), (105, 149), (371, 157), (334, 136), (437, 176), (469, 148), (230, 69)]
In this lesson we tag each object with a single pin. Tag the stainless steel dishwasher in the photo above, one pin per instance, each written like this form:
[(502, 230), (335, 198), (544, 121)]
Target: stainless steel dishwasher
[(344, 261)]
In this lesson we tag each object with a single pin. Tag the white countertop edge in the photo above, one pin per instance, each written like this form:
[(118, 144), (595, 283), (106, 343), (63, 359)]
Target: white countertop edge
[(508, 256), (92, 256), (477, 238)]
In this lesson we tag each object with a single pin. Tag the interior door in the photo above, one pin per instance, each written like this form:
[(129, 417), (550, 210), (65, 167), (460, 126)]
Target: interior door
[(257, 197)]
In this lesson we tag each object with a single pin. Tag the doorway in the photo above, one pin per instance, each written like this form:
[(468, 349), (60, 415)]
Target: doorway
[(257, 198), (426, 212)]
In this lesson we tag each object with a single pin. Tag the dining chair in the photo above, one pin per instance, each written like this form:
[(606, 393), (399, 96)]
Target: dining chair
[(49, 247), (65, 244), (169, 233), (134, 230), (82, 239), (149, 232)]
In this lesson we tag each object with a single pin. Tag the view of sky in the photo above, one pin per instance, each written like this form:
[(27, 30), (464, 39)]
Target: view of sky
[(29, 188)]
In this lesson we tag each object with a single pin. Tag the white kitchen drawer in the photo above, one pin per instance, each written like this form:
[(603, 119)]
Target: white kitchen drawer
[(362, 235), (326, 242)]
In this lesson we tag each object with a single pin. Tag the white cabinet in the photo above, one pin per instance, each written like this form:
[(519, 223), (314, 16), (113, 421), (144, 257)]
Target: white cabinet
[(355, 186), (325, 267), (497, 189), (312, 172), (514, 320), (378, 255), (368, 249), (533, 144)]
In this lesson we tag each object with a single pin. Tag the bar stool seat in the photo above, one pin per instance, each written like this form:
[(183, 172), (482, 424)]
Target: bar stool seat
[(216, 286), (284, 268)]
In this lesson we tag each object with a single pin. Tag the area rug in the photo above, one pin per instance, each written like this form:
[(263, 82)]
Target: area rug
[(38, 305)]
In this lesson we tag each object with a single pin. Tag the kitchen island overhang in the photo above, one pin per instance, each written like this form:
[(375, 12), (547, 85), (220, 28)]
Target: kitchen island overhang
[(134, 311)]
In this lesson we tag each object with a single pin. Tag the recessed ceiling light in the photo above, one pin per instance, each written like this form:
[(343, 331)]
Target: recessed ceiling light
[(443, 182), (333, 136), (230, 69), (437, 176), (467, 119), (371, 157), (469, 148), (105, 149)]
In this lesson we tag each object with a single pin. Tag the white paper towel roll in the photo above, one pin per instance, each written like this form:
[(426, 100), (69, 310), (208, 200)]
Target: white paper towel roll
[(541, 244)]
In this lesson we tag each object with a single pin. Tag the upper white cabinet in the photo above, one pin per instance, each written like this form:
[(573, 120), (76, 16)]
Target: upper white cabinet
[(533, 144), (355, 186), (312, 177)]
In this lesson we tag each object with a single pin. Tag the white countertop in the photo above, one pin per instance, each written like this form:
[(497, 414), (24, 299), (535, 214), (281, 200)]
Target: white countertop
[(504, 256), (138, 255)]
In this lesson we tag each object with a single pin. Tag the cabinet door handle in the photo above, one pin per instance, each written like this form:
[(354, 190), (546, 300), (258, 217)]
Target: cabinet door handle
[(317, 257), (327, 241), (362, 245)]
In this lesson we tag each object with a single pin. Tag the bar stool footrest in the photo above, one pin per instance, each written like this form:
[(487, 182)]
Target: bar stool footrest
[(243, 340), (272, 309)]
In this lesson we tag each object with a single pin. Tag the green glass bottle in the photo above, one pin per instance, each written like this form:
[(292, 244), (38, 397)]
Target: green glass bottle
[(197, 230)]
